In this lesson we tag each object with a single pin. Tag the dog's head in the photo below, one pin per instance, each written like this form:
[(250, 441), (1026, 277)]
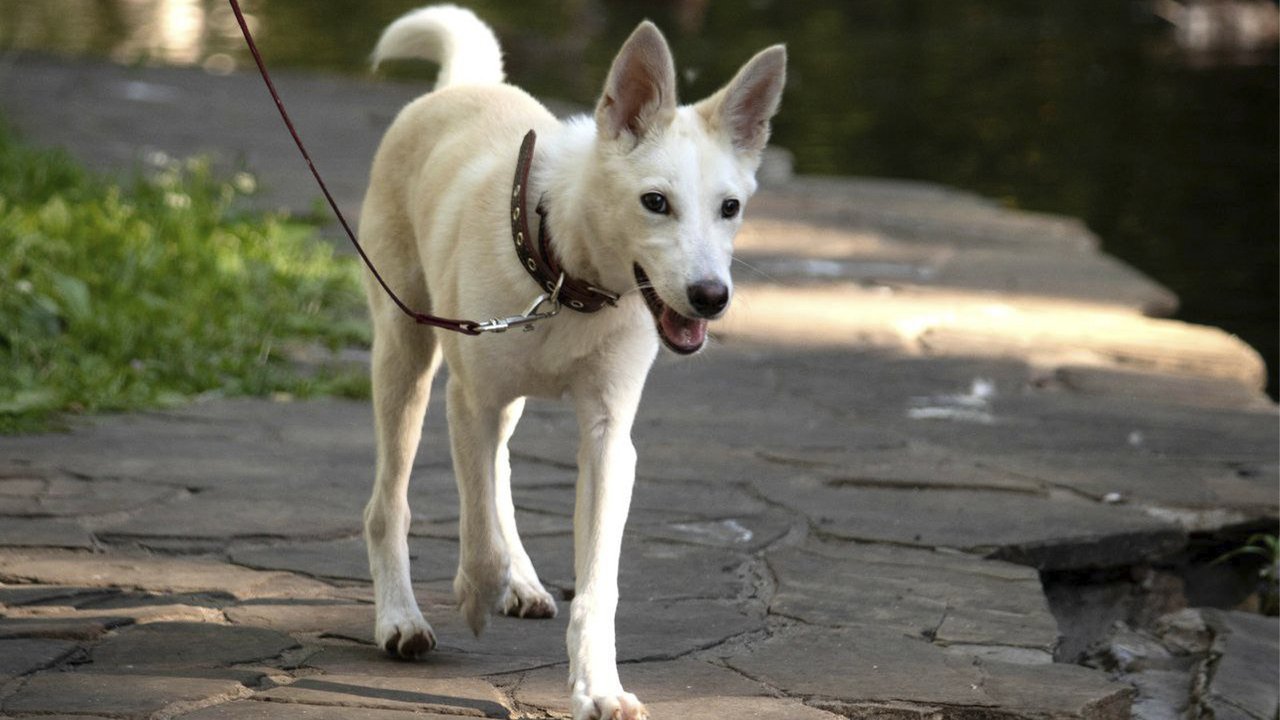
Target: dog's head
[(678, 178)]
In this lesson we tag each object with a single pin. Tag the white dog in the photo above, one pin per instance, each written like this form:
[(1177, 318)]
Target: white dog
[(646, 196)]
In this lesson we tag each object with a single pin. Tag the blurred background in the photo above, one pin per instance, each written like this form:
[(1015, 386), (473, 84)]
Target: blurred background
[(1154, 121)]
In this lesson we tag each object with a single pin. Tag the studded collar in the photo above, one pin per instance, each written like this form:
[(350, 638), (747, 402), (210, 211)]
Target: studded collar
[(538, 258)]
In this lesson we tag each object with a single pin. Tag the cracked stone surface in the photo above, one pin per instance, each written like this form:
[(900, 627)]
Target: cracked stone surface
[(842, 517), (947, 598), (1047, 533), (872, 664), (1243, 681)]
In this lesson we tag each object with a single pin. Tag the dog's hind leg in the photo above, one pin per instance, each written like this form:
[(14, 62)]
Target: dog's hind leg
[(477, 428), (525, 597), (405, 358)]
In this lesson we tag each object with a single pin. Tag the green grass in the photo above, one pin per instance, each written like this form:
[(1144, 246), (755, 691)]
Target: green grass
[(144, 294)]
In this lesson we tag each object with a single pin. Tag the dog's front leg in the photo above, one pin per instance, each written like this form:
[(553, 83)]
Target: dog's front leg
[(606, 474)]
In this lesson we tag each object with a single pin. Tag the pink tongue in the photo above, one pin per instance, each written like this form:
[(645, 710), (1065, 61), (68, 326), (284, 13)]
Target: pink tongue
[(681, 331)]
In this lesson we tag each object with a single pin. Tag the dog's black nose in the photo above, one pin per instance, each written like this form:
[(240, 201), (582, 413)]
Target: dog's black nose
[(708, 297)]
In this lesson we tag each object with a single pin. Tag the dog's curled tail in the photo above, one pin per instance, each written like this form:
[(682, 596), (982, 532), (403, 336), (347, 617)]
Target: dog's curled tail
[(465, 48)]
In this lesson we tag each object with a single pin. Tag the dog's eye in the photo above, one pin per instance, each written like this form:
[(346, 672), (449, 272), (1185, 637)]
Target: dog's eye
[(655, 203), (729, 208)]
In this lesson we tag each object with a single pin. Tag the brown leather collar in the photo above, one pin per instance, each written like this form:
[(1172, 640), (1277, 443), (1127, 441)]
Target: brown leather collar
[(537, 257)]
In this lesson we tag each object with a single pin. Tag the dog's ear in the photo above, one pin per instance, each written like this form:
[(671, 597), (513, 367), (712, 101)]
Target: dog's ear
[(742, 108), (640, 92)]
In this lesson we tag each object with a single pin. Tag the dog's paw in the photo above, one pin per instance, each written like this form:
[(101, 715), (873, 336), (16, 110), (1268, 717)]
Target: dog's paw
[(405, 638), (478, 594), (622, 706), (528, 600)]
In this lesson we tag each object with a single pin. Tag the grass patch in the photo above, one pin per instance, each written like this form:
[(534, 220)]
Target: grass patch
[(144, 294)]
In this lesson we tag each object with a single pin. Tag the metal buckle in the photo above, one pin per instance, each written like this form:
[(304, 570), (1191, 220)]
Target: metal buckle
[(609, 297), (530, 316)]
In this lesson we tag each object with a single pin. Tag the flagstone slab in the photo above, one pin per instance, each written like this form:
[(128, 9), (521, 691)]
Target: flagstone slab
[(153, 573), (302, 616), (946, 598), (115, 695), (1044, 532), (44, 532), (61, 495), (466, 697), (37, 593), (878, 665), (172, 645), (1209, 494), (86, 627), (224, 513), (865, 663), (916, 465), (1243, 682), (25, 655)]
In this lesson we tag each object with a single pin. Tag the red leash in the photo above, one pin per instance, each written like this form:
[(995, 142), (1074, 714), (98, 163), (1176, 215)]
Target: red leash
[(466, 327)]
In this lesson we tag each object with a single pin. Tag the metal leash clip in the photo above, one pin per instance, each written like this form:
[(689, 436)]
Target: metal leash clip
[(530, 316)]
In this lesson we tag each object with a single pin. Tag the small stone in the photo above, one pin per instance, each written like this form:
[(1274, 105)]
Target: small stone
[(1184, 632), (1162, 694), (1131, 651)]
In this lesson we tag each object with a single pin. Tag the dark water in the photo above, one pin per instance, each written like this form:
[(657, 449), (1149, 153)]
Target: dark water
[(1087, 108)]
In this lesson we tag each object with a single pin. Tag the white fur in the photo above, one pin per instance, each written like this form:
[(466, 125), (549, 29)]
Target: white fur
[(435, 222)]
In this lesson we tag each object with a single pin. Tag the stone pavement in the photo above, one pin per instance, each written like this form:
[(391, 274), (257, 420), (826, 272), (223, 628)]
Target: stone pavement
[(940, 452)]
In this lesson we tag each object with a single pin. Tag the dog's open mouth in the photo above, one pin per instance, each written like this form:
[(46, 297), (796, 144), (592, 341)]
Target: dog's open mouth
[(680, 334)]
